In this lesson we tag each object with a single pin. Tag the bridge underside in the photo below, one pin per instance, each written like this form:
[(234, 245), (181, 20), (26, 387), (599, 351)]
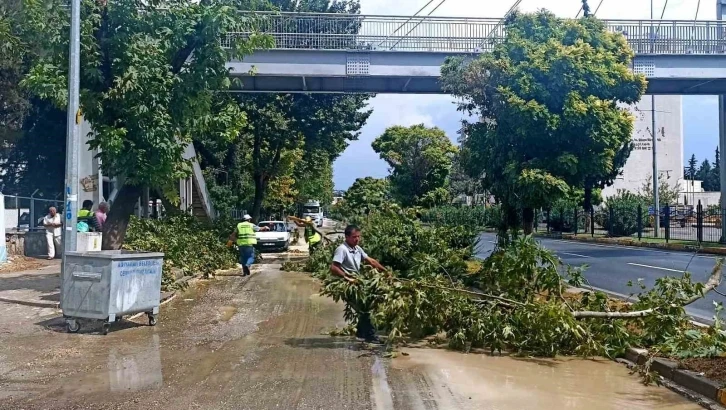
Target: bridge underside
[(342, 71)]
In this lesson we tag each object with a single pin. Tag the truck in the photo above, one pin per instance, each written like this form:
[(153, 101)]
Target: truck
[(313, 210)]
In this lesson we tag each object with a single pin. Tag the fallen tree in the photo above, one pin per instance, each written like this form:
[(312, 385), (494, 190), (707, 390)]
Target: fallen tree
[(514, 303)]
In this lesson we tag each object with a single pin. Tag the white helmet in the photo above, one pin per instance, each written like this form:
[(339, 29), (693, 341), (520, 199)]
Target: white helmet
[(247, 217)]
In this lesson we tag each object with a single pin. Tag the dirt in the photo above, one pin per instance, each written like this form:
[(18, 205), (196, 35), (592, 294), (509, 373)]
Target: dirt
[(712, 368), (259, 343), (19, 263)]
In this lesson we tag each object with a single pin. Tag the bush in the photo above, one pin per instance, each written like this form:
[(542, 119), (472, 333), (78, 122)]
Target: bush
[(624, 208), (470, 216), (188, 245)]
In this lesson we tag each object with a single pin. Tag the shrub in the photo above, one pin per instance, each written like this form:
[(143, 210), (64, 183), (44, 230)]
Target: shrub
[(624, 208), (188, 245), (470, 216)]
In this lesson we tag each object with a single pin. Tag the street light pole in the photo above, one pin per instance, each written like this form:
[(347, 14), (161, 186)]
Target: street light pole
[(72, 137), (654, 139)]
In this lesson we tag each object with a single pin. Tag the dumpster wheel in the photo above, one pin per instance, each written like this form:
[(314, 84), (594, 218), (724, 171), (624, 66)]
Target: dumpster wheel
[(73, 326), (152, 319), (106, 328)]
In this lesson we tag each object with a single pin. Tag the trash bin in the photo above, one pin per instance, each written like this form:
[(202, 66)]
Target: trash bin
[(107, 285)]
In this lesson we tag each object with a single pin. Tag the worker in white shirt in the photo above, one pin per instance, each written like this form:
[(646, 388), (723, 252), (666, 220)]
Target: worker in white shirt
[(53, 225)]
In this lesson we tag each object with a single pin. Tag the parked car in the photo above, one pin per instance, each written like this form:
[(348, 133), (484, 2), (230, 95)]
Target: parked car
[(277, 238)]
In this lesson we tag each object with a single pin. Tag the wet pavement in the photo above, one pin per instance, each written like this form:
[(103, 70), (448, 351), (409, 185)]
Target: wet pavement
[(260, 343)]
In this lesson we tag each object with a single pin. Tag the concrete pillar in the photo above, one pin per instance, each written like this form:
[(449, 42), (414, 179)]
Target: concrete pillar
[(722, 162), (3, 249)]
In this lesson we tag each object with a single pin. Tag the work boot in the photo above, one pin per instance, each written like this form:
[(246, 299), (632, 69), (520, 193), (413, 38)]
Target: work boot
[(245, 271)]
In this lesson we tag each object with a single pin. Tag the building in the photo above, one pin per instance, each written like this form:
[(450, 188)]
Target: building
[(638, 170)]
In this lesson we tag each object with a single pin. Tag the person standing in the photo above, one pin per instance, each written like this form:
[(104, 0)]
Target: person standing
[(101, 215), (312, 237), (87, 217), (53, 225), (347, 261), (246, 240)]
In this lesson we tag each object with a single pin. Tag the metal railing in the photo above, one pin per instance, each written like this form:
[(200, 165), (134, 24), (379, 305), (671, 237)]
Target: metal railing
[(462, 34), (678, 223), (23, 213)]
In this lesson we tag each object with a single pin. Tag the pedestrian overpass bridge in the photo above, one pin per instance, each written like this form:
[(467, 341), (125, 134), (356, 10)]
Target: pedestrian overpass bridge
[(342, 53)]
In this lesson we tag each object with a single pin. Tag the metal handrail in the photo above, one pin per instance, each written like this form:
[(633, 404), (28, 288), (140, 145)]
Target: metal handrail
[(326, 31)]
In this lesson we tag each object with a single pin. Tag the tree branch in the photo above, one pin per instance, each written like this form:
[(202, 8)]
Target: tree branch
[(713, 281)]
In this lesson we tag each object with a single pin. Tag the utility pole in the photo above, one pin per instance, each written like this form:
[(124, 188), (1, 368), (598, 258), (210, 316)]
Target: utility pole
[(720, 9), (654, 138), (72, 137)]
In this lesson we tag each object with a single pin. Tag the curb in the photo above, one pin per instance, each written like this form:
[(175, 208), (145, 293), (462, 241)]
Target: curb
[(687, 379), (720, 251)]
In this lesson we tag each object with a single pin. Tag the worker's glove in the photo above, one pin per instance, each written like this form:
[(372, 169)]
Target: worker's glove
[(229, 244)]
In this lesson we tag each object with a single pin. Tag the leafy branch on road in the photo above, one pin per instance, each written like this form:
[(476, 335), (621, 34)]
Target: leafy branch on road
[(515, 302)]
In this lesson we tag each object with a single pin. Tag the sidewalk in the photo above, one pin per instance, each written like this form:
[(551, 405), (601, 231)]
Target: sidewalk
[(27, 296)]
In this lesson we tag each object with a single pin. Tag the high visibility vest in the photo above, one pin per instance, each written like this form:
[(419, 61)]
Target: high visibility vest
[(84, 213), (246, 234), (311, 236)]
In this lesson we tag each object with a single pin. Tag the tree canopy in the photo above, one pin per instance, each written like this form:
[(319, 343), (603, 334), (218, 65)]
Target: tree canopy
[(150, 81), (420, 160), (550, 98), (366, 195), (291, 137)]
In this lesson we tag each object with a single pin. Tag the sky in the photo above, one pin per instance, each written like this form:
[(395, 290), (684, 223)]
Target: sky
[(700, 113)]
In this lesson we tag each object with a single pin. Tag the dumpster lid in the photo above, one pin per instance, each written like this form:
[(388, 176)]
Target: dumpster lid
[(118, 254)]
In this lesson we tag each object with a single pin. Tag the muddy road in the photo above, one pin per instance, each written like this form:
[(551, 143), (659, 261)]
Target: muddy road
[(259, 343)]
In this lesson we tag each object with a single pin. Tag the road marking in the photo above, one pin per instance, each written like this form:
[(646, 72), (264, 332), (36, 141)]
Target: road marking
[(655, 267), (599, 245), (575, 254)]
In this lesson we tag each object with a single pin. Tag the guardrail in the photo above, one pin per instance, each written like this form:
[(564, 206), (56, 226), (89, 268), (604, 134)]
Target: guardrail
[(462, 34)]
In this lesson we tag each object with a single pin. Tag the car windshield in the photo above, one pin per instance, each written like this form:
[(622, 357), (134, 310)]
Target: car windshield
[(311, 209), (274, 226)]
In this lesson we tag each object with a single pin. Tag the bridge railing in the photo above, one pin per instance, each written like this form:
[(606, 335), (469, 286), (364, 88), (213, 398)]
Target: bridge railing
[(463, 34)]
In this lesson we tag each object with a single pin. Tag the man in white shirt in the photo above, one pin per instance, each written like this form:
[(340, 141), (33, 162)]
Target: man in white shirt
[(53, 225), (346, 264)]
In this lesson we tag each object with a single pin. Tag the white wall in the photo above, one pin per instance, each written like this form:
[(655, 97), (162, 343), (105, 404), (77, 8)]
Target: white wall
[(669, 125)]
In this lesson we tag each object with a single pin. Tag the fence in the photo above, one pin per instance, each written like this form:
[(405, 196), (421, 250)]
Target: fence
[(25, 213), (678, 223), (461, 34)]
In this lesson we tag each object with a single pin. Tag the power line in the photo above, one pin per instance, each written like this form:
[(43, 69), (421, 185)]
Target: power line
[(598, 8), (511, 10), (419, 22), (698, 8), (409, 19)]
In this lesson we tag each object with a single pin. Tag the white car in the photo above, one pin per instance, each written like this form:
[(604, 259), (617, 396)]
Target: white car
[(277, 238)]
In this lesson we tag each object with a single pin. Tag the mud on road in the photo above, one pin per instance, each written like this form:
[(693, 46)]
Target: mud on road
[(260, 343)]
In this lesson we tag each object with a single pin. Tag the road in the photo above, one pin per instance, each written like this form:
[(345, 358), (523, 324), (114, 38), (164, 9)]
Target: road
[(610, 267), (260, 343)]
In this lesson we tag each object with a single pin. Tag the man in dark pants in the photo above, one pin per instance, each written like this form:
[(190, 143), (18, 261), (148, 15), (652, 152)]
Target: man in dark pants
[(346, 264), (244, 236)]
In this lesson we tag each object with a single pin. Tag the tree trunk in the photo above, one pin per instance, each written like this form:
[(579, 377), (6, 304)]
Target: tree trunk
[(587, 204), (528, 220), (117, 222), (260, 188)]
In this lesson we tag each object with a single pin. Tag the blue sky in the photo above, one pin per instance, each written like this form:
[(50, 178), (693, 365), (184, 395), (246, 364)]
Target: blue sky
[(700, 127), (700, 113)]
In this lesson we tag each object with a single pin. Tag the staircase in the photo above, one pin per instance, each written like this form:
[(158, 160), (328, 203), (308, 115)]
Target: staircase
[(193, 191)]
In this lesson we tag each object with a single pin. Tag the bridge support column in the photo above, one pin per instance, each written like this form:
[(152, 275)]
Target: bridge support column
[(722, 162)]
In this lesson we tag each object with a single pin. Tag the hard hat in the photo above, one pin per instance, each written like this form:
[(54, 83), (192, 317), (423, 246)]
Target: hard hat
[(308, 219), (246, 217)]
